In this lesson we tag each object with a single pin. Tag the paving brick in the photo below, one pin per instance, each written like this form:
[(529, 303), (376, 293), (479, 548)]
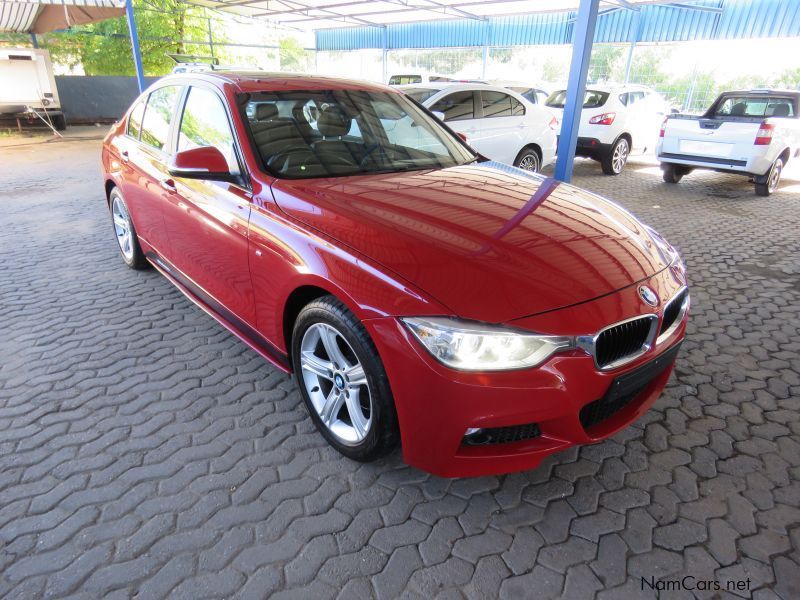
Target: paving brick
[(146, 452)]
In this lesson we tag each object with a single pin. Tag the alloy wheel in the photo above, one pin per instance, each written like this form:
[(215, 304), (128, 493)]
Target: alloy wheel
[(336, 383), (529, 162), (775, 175), (122, 227), (620, 156)]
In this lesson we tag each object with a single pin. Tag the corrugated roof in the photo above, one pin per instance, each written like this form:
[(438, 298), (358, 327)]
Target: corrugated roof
[(677, 21)]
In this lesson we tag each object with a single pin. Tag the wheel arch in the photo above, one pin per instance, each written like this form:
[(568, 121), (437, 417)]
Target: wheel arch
[(109, 185)]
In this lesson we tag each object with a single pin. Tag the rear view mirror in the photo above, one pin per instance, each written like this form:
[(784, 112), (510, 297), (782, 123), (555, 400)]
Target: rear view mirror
[(205, 162)]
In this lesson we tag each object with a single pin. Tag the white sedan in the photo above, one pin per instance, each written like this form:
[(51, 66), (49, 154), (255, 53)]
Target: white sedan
[(497, 122), (616, 121)]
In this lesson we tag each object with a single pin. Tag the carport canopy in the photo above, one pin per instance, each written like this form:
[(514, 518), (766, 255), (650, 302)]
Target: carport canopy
[(41, 16)]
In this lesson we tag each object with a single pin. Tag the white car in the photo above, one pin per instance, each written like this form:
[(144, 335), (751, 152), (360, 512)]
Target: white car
[(754, 133), (497, 122), (408, 78), (616, 121), (531, 93)]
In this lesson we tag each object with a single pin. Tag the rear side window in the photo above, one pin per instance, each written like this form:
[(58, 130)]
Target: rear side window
[(592, 99), (135, 119), (157, 116), (755, 106), (498, 104), (205, 123), (456, 106), (404, 79)]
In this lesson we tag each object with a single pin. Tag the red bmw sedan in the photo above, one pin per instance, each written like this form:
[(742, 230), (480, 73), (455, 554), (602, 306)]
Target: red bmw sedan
[(480, 316)]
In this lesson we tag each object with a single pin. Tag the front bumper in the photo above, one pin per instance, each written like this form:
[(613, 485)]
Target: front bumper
[(436, 405)]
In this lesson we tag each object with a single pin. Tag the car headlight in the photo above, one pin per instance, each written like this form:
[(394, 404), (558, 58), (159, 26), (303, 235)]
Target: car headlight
[(477, 347)]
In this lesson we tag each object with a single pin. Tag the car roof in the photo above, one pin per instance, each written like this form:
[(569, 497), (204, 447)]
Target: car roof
[(612, 88), (454, 86), (265, 81), (764, 92)]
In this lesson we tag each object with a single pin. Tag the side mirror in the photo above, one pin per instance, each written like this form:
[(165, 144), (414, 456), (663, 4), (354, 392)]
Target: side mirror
[(205, 162), (439, 115)]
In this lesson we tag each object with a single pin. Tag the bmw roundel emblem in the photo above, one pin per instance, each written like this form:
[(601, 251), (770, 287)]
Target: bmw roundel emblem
[(648, 295)]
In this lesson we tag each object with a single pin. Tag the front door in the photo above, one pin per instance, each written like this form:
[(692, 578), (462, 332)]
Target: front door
[(459, 110), (206, 221)]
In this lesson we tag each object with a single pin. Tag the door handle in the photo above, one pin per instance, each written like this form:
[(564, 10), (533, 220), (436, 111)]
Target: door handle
[(168, 185), (124, 156)]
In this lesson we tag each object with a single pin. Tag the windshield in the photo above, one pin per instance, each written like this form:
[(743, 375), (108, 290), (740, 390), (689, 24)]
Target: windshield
[(592, 99), (328, 133), (419, 94), (754, 106)]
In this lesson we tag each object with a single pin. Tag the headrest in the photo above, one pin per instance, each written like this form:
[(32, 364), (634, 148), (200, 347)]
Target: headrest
[(266, 111), (333, 122), (738, 109), (780, 110)]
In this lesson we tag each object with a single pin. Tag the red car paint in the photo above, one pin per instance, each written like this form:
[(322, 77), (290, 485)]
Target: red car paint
[(485, 242)]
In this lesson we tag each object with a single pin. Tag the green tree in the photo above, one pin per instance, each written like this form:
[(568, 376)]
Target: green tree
[(292, 55)]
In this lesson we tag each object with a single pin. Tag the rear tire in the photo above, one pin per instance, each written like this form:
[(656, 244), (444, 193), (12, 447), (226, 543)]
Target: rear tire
[(342, 381), (614, 161), (773, 178), (125, 232), (671, 173), (529, 160), (60, 122)]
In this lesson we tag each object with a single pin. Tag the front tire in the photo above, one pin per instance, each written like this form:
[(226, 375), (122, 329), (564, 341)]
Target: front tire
[(773, 178), (529, 160), (614, 161), (342, 381), (125, 232)]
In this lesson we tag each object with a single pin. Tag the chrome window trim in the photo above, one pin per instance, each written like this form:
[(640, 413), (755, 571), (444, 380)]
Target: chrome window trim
[(679, 319), (589, 343)]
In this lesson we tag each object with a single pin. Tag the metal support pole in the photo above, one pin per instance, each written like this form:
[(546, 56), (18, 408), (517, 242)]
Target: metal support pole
[(485, 49), (637, 35), (210, 40), (34, 41), (137, 53), (385, 54), (576, 87), (630, 62)]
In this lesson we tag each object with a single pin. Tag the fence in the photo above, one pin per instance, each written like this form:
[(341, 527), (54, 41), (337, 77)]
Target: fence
[(689, 74)]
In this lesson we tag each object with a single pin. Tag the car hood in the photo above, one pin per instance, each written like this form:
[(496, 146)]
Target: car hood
[(490, 242)]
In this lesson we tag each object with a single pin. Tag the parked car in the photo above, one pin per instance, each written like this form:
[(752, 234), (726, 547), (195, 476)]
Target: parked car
[(615, 122), (754, 133), (497, 122), (531, 93), (409, 78), (483, 316)]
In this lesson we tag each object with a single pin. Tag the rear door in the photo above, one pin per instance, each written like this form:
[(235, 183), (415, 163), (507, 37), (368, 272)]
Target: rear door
[(207, 220), (147, 157), (502, 126)]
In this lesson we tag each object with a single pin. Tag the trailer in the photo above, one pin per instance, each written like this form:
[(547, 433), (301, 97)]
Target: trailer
[(28, 88)]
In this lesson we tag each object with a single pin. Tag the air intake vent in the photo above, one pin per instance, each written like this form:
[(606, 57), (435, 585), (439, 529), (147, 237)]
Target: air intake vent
[(624, 341), (673, 310), (503, 435)]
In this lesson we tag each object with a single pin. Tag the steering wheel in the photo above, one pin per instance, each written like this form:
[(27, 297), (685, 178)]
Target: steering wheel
[(368, 153), (288, 156)]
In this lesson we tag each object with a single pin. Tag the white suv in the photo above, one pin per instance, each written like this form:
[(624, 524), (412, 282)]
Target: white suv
[(615, 122), (497, 122)]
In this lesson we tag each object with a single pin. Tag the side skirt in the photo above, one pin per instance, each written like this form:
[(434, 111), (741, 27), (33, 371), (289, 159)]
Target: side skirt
[(222, 315)]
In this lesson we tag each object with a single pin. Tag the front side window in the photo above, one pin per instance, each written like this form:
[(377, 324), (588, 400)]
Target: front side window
[(457, 106), (135, 119), (305, 134), (158, 115), (205, 123)]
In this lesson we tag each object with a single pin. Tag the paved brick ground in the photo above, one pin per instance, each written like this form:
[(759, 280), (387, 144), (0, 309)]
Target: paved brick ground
[(146, 452)]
